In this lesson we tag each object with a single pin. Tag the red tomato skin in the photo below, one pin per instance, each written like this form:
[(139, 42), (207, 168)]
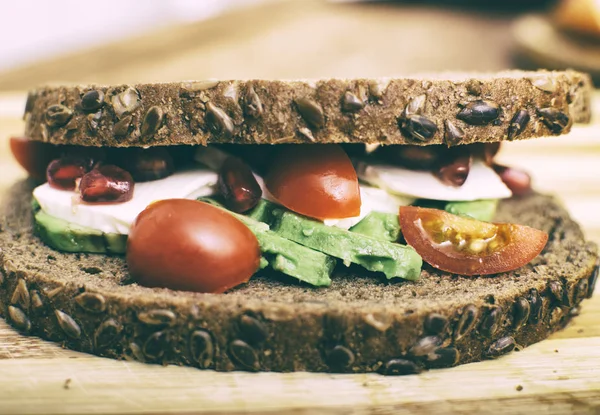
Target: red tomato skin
[(33, 156), (189, 245), (525, 244), (318, 181)]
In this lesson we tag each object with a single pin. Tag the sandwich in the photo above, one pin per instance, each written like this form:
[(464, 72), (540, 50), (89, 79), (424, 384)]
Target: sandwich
[(329, 226)]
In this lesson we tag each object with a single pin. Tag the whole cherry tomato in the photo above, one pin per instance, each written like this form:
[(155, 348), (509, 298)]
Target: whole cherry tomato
[(188, 245), (314, 180), (467, 246)]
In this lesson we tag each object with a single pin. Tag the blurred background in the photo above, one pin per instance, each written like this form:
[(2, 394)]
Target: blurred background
[(133, 41), (117, 41)]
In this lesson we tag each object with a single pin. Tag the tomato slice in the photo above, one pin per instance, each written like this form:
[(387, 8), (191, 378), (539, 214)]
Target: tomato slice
[(314, 180), (33, 156), (467, 246)]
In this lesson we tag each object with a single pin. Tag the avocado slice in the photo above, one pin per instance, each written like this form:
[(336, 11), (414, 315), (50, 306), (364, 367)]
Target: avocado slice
[(379, 225), (394, 260), (296, 260), (261, 212), (284, 255), (483, 210), (69, 237)]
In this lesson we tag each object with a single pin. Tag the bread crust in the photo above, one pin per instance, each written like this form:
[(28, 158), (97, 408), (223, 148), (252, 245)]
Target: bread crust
[(324, 111), (360, 324)]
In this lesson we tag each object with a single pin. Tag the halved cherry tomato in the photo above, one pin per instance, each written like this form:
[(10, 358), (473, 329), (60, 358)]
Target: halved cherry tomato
[(467, 246), (188, 245), (33, 156), (314, 180)]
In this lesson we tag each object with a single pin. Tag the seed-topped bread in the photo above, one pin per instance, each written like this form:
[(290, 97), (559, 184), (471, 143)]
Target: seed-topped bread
[(359, 324), (430, 109)]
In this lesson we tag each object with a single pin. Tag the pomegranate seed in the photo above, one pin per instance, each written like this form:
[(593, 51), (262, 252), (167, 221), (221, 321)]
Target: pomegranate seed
[(182, 155), (256, 156), (486, 151), (106, 184), (63, 172), (412, 157), (91, 155), (238, 186), (355, 150), (146, 164), (518, 181), (454, 169)]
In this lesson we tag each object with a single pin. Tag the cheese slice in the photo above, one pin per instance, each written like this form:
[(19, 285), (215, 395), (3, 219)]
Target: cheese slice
[(117, 218), (372, 199), (482, 182)]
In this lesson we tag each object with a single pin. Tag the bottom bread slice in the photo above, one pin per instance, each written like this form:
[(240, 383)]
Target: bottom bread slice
[(362, 323)]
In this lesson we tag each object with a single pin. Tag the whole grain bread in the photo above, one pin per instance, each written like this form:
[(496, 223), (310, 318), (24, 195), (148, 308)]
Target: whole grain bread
[(361, 323), (429, 109)]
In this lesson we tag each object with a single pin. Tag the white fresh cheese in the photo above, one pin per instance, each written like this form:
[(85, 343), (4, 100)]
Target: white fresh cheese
[(388, 188), (482, 182), (117, 218), (372, 199)]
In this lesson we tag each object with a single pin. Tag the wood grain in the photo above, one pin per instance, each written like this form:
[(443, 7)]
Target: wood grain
[(557, 376)]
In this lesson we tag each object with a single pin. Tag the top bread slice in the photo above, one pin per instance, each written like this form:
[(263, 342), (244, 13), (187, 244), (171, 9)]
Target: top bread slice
[(450, 109)]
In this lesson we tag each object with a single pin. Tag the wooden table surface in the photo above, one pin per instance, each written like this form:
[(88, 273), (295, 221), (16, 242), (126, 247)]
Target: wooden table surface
[(559, 375)]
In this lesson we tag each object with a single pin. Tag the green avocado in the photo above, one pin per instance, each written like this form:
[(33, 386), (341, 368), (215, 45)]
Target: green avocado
[(394, 260), (296, 260), (378, 225), (284, 255), (261, 212), (483, 210), (65, 236)]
